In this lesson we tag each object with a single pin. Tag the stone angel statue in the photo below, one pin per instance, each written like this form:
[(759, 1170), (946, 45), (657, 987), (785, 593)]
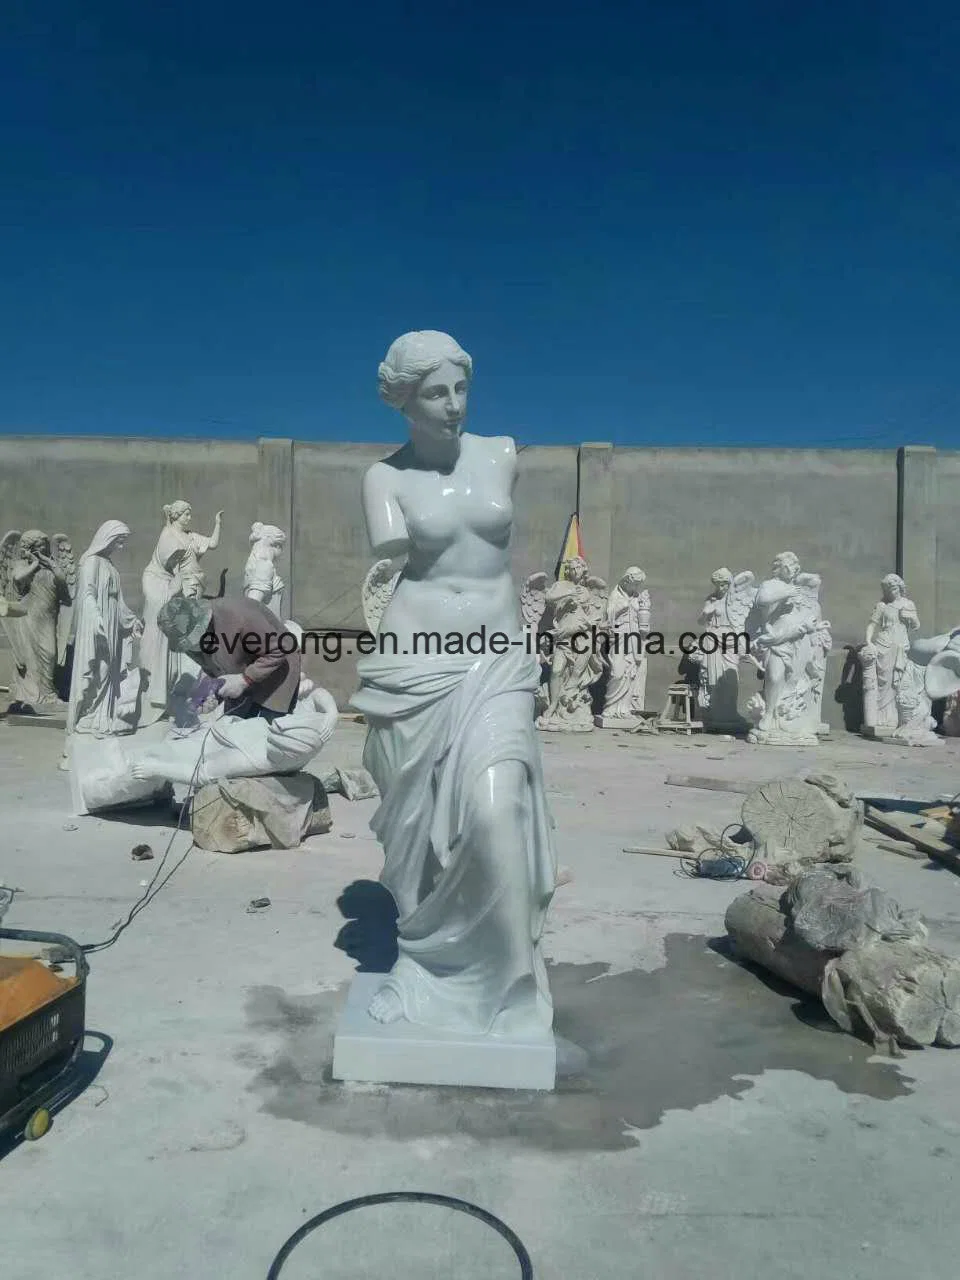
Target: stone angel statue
[(533, 601), (593, 590), (261, 581), (377, 591), (724, 616), (40, 574), (575, 664)]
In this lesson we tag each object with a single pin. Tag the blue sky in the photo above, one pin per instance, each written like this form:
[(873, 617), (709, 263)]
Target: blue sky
[(721, 222)]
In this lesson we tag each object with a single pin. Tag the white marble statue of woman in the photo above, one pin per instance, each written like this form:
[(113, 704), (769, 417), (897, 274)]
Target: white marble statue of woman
[(723, 616), (451, 743), (260, 578), (628, 623), (104, 631), (884, 656), (174, 568)]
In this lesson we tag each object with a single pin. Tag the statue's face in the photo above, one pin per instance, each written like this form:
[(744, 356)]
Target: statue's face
[(118, 544), (784, 569), (36, 546), (183, 520), (891, 591), (720, 585), (439, 404)]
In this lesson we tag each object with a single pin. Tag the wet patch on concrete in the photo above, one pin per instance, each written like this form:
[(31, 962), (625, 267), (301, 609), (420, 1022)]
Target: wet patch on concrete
[(674, 1038)]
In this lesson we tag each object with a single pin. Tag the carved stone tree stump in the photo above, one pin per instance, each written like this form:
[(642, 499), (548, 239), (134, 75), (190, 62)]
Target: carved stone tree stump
[(814, 820)]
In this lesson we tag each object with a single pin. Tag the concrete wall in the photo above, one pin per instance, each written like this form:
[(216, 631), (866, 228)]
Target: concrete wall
[(71, 485), (851, 516), (946, 504)]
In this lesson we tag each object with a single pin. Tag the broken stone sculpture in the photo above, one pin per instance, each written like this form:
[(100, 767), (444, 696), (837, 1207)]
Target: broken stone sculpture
[(790, 644), (377, 592), (105, 681), (233, 815), (627, 627), (451, 741), (174, 569), (125, 771), (852, 946), (895, 703), (723, 617), (38, 574), (261, 581)]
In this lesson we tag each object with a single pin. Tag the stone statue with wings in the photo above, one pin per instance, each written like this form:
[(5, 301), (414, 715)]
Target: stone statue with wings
[(39, 574)]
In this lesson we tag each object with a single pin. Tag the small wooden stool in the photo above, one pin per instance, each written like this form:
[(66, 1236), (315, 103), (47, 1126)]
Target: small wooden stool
[(679, 710)]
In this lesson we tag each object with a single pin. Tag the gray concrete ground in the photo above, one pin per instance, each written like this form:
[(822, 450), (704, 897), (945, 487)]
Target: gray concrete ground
[(721, 1128)]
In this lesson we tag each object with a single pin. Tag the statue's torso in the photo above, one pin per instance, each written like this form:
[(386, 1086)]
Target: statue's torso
[(457, 576)]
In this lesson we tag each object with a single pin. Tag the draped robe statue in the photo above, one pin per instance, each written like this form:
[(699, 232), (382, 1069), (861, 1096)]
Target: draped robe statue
[(451, 742), (174, 568), (105, 682)]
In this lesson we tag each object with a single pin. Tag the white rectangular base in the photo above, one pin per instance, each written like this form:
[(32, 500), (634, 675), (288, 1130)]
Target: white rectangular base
[(401, 1053)]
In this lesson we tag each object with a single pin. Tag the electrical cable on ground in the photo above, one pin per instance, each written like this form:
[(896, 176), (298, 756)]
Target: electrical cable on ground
[(150, 892), (718, 862), (404, 1197)]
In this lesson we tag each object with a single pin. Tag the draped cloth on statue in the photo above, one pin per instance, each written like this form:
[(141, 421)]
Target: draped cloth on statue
[(471, 909), (102, 652)]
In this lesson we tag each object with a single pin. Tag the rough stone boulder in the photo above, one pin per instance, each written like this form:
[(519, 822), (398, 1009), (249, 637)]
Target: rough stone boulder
[(278, 811)]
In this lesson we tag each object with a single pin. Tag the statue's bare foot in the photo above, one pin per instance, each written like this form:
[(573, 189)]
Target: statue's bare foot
[(142, 771), (385, 1006)]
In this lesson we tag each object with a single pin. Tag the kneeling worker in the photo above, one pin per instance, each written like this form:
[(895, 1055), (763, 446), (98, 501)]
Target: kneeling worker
[(237, 641)]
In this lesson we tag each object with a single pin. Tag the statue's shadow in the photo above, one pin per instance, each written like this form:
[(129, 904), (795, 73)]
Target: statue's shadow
[(370, 935)]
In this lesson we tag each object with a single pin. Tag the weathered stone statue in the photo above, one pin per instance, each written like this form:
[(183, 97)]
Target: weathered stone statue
[(174, 569), (722, 646), (468, 850), (39, 574), (884, 657), (790, 643), (261, 581), (105, 682), (565, 624), (627, 624), (591, 588), (576, 661)]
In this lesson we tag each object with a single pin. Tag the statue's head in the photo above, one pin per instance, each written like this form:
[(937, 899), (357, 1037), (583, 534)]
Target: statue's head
[(632, 580), (786, 566), (426, 375), (893, 587), (267, 537), (35, 541), (178, 513), (110, 537), (721, 579), (575, 570)]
